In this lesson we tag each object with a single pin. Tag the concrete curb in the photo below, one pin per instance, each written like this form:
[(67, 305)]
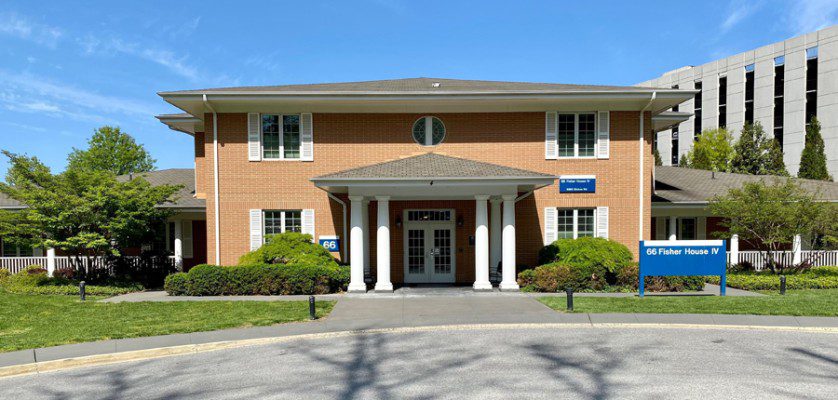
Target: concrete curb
[(137, 355)]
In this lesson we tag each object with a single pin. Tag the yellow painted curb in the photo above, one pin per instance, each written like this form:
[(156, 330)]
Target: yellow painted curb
[(136, 355)]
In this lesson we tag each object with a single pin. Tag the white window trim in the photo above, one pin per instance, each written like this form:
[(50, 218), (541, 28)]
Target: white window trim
[(282, 227), (281, 139), (575, 220), (576, 135), (428, 120)]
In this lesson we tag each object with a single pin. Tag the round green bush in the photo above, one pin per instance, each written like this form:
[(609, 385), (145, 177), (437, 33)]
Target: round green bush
[(288, 248), (592, 256), (4, 274), (175, 284)]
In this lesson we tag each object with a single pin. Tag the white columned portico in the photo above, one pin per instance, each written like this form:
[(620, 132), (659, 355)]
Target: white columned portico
[(382, 237), (481, 245), (356, 245), (365, 226), (495, 236), (178, 245), (734, 249), (509, 281), (673, 228)]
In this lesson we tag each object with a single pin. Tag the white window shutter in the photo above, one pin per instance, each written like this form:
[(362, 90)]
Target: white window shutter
[(254, 137), (551, 134), (306, 137), (308, 222), (603, 134), (550, 225), (255, 229), (186, 230), (602, 222)]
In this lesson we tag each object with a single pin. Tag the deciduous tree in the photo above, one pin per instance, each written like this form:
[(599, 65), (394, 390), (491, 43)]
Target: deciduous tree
[(110, 149)]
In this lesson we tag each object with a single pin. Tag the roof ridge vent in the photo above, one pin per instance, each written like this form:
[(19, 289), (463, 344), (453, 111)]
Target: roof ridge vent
[(435, 84)]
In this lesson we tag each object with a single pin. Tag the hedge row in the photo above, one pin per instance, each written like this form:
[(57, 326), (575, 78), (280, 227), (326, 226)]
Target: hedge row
[(283, 279), (814, 278), (34, 280)]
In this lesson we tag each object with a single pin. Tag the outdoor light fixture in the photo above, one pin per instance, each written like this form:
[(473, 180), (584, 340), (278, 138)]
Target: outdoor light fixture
[(460, 221), (398, 222)]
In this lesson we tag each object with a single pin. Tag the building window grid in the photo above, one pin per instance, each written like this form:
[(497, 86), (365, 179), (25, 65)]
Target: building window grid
[(281, 140), (281, 221), (573, 223), (749, 94), (722, 102), (811, 84), (779, 88), (697, 109), (577, 135)]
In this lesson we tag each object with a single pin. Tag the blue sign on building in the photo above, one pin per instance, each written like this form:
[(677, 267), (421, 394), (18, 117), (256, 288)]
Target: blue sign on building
[(577, 184), (331, 243), (683, 258)]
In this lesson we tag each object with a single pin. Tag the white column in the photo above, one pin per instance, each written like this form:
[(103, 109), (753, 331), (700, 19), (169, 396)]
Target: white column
[(50, 261), (797, 248), (509, 281), (365, 224), (356, 245), (734, 249), (481, 245), (495, 235), (673, 228), (382, 248), (178, 245)]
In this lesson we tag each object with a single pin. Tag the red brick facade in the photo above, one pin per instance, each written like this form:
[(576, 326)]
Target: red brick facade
[(343, 141)]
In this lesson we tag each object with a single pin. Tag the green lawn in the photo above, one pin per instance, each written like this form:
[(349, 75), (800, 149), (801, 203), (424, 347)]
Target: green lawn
[(822, 302), (30, 321)]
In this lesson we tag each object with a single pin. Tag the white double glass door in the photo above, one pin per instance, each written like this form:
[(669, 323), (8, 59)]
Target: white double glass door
[(429, 253)]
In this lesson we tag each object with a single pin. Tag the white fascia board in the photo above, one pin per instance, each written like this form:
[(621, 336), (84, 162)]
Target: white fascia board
[(682, 243)]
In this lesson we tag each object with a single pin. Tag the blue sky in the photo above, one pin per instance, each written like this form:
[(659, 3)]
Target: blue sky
[(66, 69)]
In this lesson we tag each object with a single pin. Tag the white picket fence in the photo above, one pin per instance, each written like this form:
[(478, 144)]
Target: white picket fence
[(17, 264), (817, 258)]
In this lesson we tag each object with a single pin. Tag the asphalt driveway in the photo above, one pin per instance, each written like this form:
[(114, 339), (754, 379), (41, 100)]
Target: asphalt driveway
[(579, 363)]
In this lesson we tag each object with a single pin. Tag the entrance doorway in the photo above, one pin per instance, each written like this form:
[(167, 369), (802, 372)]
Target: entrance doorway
[(429, 255)]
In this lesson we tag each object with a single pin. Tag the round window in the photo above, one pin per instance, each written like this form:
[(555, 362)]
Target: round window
[(428, 131)]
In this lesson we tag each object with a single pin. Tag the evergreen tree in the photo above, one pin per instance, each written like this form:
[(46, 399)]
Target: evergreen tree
[(658, 161), (755, 154), (774, 164), (682, 162), (813, 159)]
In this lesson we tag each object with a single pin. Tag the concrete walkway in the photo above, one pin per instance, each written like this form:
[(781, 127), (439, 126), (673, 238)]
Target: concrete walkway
[(409, 292), (366, 313)]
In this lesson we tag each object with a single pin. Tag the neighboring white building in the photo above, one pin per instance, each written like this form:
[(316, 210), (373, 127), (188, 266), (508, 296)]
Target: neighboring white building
[(778, 85)]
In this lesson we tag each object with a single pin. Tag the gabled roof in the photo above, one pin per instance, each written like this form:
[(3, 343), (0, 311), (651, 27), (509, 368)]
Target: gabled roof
[(433, 166), (687, 185), (419, 86)]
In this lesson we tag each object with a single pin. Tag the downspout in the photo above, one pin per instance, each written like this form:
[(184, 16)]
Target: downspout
[(642, 168), (215, 180), (343, 204)]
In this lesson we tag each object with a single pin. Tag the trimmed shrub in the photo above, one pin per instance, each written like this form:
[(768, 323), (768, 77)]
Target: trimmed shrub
[(175, 284), (288, 248), (628, 277), (593, 256), (814, 278), (212, 280), (34, 280), (4, 274)]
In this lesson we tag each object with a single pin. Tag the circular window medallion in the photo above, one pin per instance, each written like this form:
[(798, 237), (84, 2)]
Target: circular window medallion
[(428, 131)]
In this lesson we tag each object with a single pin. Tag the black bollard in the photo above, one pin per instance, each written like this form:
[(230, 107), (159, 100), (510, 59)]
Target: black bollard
[(782, 284), (81, 290), (311, 312), (569, 291)]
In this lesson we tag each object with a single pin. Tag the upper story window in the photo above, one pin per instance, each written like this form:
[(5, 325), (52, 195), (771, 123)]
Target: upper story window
[(280, 137), (428, 131), (577, 135)]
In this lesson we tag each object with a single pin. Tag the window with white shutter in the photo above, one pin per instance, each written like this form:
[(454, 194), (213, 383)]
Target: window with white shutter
[(550, 136), (255, 229), (254, 137), (549, 225), (602, 222), (603, 134), (308, 222), (306, 137)]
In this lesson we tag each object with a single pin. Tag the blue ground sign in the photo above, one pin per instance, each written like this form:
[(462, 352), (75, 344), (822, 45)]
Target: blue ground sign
[(331, 243), (682, 258), (577, 184)]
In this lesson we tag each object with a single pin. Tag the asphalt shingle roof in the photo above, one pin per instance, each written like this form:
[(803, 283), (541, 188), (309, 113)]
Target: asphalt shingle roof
[(433, 166), (175, 176), (422, 85), (686, 185)]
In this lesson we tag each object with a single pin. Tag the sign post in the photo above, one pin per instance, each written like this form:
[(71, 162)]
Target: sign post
[(683, 258)]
